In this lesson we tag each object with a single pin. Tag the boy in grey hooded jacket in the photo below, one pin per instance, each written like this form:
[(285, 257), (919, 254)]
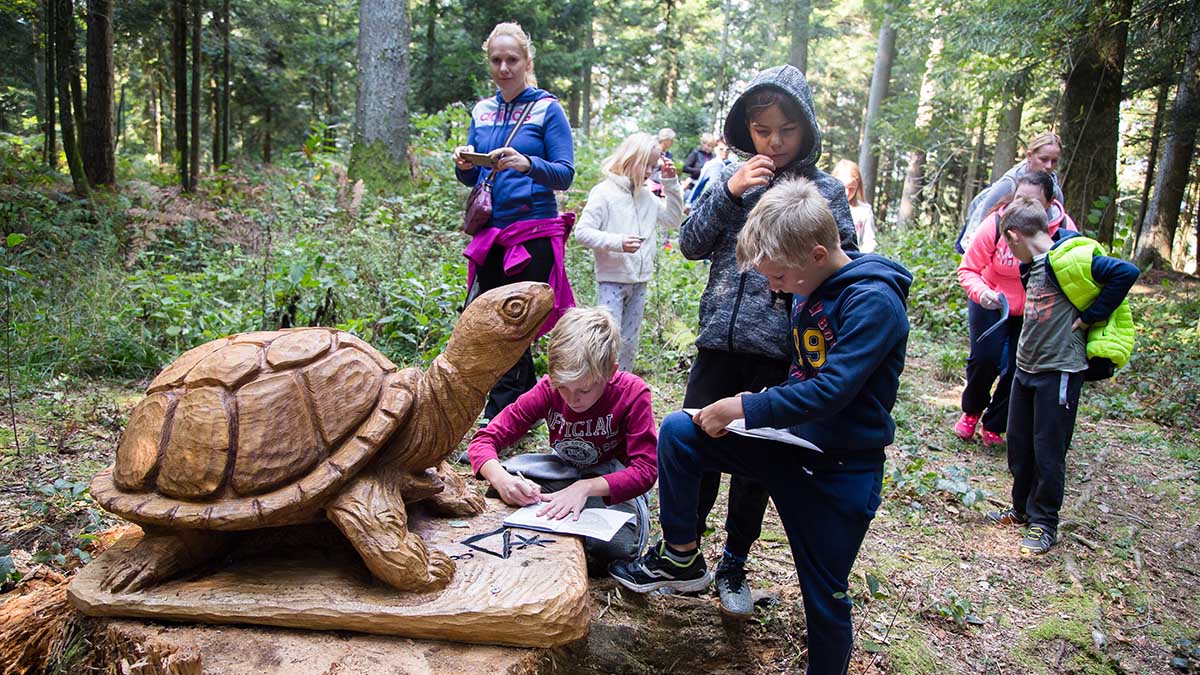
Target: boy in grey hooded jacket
[(743, 343)]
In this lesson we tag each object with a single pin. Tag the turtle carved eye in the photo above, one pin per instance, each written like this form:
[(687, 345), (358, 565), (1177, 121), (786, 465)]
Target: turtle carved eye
[(514, 308)]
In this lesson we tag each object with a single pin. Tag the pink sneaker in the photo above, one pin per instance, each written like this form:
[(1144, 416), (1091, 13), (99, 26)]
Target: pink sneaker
[(992, 439), (965, 429)]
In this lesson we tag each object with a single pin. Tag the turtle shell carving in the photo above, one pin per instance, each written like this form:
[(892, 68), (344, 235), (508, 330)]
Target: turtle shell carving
[(244, 431)]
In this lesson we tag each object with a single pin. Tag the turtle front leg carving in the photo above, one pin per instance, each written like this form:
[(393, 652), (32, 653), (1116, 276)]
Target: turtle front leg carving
[(371, 513), (458, 498), (162, 554)]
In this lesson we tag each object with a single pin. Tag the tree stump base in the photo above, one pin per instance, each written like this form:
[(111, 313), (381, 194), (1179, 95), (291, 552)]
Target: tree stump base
[(309, 577)]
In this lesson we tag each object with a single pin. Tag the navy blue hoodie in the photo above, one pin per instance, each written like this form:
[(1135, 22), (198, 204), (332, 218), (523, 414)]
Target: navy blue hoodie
[(545, 139), (849, 339)]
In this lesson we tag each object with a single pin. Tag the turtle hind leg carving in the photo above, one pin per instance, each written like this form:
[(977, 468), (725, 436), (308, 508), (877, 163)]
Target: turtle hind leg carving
[(162, 554), (371, 513), (458, 498)]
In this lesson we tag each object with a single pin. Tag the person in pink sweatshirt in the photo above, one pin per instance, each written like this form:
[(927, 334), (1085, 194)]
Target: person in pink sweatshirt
[(602, 432), (988, 269)]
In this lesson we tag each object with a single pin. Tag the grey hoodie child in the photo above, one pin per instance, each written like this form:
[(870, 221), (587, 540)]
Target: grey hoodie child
[(738, 313)]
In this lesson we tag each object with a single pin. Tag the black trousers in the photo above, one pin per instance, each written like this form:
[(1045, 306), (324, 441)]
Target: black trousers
[(521, 377), (716, 375), (993, 357), (1041, 421)]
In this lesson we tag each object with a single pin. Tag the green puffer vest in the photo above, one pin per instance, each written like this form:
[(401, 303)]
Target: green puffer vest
[(1071, 262)]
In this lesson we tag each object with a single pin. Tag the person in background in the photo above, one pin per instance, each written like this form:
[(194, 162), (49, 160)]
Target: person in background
[(619, 223), (864, 218), (666, 138), (1042, 154), (525, 239), (697, 158), (711, 172), (988, 270)]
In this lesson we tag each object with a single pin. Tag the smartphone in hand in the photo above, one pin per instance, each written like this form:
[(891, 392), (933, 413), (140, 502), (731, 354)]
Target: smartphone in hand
[(479, 159)]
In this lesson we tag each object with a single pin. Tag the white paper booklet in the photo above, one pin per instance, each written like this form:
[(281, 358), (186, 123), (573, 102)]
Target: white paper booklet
[(595, 523), (738, 426)]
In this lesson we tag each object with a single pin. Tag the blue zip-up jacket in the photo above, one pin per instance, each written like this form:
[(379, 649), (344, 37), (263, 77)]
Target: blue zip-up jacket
[(1115, 277), (545, 139), (738, 312), (850, 338)]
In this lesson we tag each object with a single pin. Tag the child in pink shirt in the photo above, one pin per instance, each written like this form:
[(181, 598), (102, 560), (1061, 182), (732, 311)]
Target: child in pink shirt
[(987, 270), (602, 436)]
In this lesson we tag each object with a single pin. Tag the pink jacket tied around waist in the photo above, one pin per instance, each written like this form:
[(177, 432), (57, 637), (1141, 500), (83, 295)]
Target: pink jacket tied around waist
[(516, 257)]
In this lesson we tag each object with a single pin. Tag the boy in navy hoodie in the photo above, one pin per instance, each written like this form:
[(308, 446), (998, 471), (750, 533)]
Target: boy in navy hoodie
[(849, 338)]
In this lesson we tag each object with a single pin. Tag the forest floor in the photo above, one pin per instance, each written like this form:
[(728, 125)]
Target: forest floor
[(937, 590)]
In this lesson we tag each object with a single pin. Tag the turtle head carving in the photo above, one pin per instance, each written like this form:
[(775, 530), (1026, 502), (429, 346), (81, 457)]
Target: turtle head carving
[(497, 327)]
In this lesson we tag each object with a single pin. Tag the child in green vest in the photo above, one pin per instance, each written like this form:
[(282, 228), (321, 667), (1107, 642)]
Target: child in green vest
[(1076, 323)]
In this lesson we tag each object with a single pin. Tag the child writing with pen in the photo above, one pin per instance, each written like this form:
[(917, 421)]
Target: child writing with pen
[(602, 437)]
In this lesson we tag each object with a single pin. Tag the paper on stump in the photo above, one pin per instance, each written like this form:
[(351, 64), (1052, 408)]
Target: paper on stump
[(599, 524), (738, 426)]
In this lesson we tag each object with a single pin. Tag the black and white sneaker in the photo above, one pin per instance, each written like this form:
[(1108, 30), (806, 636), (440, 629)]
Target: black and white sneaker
[(657, 568)]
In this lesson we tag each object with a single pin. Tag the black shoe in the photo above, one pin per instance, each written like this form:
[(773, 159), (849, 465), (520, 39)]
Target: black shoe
[(736, 600), (1006, 517), (655, 569), (1037, 540)]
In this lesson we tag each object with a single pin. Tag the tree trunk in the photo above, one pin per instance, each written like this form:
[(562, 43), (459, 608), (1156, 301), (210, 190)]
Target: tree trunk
[(669, 55), (64, 28), (914, 179), (1091, 105), (1010, 124), (179, 52), (50, 148), (380, 151), (973, 181), (215, 111), (36, 28), (266, 146), (1162, 216), (120, 120), (1160, 109), (227, 81), (868, 155), (76, 79), (573, 106), (801, 15), (152, 114), (194, 147), (589, 46), (98, 153)]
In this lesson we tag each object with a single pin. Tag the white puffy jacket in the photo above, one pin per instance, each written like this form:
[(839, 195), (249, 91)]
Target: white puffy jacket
[(614, 212)]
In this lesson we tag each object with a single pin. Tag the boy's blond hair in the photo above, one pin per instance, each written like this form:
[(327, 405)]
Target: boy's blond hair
[(584, 344), (789, 220), (1025, 216), (631, 159)]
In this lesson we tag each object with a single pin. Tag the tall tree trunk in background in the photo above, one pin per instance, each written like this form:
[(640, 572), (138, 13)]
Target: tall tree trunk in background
[(573, 105), (36, 28), (380, 151), (669, 55), (98, 153), (589, 46), (215, 111), (266, 146), (1009, 134), (64, 27), (972, 184), (1091, 109), (153, 115), (868, 154), (1160, 109), (431, 42), (194, 147), (1162, 217), (120, 120), (914, 178), (50, 148), (226, 81), (75, 75), (801, 15), (179, 61)]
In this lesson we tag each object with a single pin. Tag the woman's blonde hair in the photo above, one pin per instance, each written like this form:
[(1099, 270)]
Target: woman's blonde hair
[(584, 344), (1042, 140), (631, 159), (513, 30), (846, 170)]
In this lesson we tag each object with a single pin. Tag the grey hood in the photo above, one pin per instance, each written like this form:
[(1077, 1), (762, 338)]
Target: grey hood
[(791, 82)]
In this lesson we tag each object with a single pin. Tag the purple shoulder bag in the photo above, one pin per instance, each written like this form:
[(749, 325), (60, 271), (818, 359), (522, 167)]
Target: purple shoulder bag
[(479, 203)]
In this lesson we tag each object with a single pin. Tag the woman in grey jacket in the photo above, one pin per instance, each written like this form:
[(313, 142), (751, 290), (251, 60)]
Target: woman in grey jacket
[(744, 342)]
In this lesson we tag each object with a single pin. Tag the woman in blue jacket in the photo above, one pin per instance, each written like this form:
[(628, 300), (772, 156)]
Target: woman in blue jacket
[(524, 239)]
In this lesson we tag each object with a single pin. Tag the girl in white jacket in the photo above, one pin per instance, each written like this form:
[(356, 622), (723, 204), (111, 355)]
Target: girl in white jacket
[(619, 224)]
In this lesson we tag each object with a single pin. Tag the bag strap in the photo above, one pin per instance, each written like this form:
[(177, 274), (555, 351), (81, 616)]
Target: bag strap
[(512, 134)]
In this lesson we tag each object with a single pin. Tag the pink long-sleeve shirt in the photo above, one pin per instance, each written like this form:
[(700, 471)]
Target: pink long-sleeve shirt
[(619, 425), (988, 263)]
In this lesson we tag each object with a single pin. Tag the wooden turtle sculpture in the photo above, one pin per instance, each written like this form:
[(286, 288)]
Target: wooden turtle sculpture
[(265, 429)]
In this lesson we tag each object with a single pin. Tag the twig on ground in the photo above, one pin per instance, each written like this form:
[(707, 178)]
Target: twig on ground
[(1072, 566), (1085, 541)]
